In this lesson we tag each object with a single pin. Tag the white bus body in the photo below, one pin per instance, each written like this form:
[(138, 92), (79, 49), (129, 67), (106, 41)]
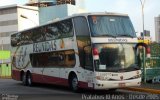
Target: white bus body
[(92, 50)]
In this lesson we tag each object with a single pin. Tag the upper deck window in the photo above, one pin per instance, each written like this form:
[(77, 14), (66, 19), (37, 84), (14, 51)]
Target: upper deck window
[(111, 26), (56, 30)]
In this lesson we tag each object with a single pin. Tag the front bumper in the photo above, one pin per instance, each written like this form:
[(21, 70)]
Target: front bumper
[(101, 85)]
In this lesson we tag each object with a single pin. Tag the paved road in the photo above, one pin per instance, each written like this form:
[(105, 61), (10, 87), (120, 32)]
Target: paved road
[(14, 90)]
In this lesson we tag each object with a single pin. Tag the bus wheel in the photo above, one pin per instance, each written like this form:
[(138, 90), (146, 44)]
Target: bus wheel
[(74, 83), (29, 79), (24, 79)]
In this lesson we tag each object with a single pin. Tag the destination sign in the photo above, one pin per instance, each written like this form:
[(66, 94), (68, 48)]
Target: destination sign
[(114, 40), (117, 40)]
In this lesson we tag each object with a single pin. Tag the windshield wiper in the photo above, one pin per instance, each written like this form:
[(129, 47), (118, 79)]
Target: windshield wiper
[(126, 35), (107, 35), (134, 66)]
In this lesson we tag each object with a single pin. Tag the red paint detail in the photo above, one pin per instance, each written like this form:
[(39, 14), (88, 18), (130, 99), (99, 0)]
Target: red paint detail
[(148, 50), (38, 78), (16, 75), (95, 51), (83, 84), (49, 79)]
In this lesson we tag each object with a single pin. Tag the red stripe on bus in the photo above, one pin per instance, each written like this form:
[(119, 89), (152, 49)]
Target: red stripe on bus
[(16, 75), (55, 80), (48, 79)]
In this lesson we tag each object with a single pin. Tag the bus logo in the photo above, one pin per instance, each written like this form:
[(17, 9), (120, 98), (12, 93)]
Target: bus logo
[(121, 77)]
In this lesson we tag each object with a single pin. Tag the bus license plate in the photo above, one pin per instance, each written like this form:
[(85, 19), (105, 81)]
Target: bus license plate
[(122, 84)]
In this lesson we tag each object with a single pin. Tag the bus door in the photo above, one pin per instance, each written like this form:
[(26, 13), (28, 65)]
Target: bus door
[(88, 66), (84, 49)]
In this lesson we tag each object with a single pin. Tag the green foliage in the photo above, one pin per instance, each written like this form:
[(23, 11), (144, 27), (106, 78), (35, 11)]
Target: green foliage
[(154, 61), (155, 49)]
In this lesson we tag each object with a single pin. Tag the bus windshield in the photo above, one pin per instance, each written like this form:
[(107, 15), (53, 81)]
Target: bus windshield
[(113, 57), (112, 26)]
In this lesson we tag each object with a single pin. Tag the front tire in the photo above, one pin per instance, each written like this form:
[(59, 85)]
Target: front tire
[(74, 83)]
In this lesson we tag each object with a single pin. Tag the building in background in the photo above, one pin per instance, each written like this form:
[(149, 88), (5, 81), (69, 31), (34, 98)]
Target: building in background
[(11, 20), (146, 33), (50, 10), (45, 3), (50, 13), (157, 29), (41, 3)]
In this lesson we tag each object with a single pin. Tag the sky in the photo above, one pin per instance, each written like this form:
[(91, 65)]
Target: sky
[(131, 7)]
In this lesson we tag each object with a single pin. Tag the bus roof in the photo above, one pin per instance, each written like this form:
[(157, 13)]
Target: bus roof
[(100, 13), (75, 15)]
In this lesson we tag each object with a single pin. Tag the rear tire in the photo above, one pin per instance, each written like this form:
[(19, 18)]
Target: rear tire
[(74, 83), (29, 79), (24, 82)]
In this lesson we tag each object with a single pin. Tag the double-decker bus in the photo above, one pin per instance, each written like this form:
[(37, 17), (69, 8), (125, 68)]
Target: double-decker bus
[(90, 50)]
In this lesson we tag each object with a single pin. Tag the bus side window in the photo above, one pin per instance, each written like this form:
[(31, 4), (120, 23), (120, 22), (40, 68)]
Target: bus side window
[(60, 29), (14, 40), (53, 59), (14, 61)]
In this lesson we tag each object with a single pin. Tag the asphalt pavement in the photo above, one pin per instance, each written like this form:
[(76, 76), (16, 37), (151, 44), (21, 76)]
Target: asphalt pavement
[(14, 90)]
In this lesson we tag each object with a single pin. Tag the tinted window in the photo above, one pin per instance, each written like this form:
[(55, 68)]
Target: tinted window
[(56, 30), (81, 26), (26, 37), (53, 59), (59, 30), (111, 26), (38, 34), (14, 39)]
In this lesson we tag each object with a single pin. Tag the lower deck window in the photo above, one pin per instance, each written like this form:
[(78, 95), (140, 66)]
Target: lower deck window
[(53, 59)]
